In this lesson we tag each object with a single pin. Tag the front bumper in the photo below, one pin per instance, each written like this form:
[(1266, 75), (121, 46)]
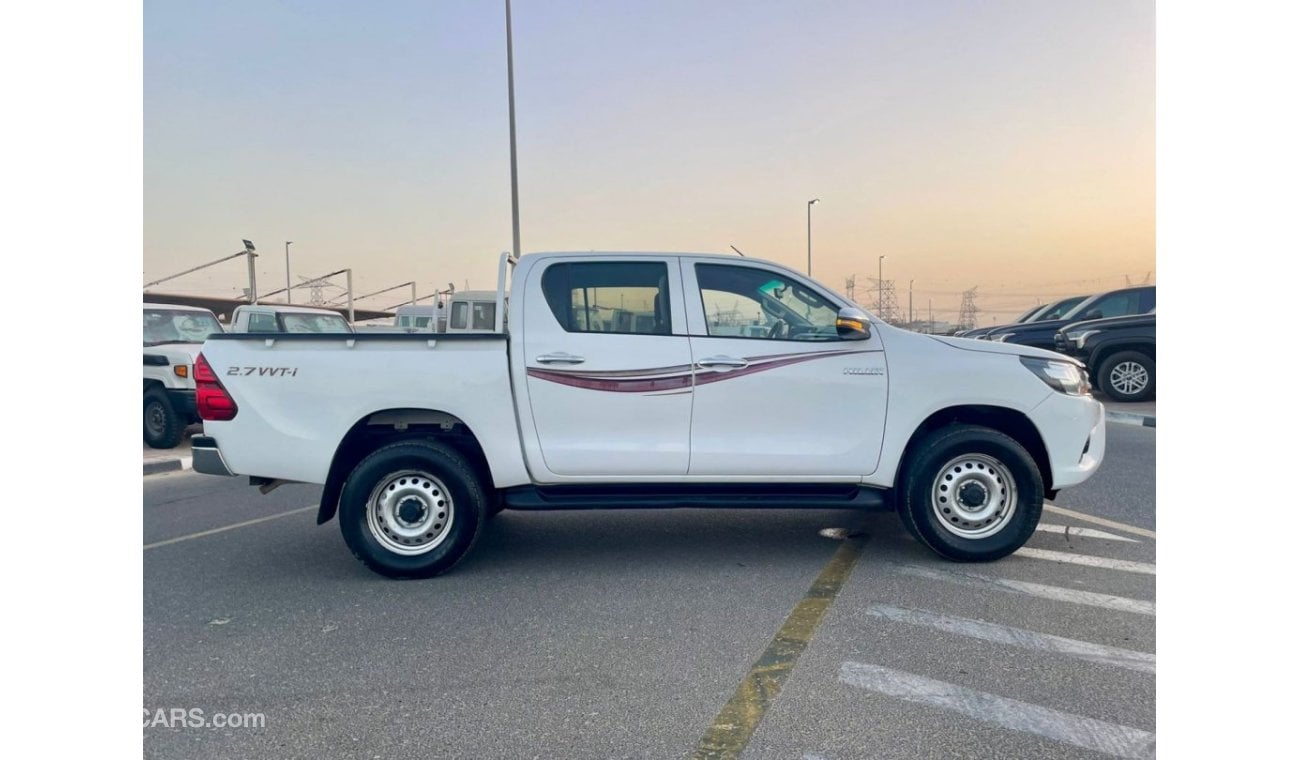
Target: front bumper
[(207, 457), (1074, 432)]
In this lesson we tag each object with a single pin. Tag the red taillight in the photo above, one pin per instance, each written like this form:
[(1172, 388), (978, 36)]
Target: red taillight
[(210, 395)]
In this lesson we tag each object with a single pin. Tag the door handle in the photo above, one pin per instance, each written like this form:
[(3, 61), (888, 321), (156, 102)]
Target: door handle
[(724, 362), (560, 358)]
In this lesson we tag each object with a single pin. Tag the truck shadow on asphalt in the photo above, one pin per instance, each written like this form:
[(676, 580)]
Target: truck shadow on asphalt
[(684, 539)]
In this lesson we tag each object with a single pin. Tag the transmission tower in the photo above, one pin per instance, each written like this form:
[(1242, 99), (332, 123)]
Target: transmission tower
[(850, 283), (966, 316), (316, 287), (886, 301)]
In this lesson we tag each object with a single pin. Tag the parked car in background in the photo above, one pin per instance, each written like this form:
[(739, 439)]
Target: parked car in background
[(1120, 353), (1054, 310), (173, 336), (271, 318), (1114, 303)]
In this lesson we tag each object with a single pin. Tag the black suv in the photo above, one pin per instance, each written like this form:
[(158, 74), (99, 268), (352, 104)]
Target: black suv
[(1054, 310), (1120, 353), (1116, 303)]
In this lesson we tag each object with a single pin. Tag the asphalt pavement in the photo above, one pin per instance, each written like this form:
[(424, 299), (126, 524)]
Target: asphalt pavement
[(654, 634)]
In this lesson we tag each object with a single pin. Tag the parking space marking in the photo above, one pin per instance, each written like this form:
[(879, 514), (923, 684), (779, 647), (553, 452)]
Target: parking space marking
[(736, 723), (1018, 637), (1054, 593), (1088, 733), (1071, 530), (243, 524), (1088, 560), (1100, 521)]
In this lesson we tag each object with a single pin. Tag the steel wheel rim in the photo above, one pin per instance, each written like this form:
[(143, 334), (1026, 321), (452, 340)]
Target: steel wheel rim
[(973, 496), (410, 513), (1129, 378), (155, 418)]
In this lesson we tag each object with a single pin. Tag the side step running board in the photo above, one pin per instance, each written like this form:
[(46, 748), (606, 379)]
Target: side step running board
[(712, 495)]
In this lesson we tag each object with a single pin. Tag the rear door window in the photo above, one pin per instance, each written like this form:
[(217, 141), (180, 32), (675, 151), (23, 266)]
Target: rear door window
[(629, 297)]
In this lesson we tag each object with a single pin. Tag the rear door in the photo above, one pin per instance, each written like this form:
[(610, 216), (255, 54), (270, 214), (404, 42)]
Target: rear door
[(777, 392), (608, 366)]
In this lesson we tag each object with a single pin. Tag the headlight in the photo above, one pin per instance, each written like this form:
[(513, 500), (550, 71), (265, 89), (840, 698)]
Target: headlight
[(1001, 337), (1062, 376), (1077, 337)]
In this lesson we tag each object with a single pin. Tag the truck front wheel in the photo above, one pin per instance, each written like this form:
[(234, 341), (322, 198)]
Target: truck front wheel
[(412, 509), (971, 493)]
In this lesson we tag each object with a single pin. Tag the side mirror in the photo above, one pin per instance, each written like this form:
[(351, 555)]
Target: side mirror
[(1094, 314), (852, 324)]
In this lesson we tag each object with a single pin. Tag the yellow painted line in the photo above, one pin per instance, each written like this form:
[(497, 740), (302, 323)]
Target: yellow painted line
[(1100, 521), (243, 524), (734, 726)]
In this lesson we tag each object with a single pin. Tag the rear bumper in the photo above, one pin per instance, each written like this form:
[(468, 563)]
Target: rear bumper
[(207, 457), (182, 400), (1074, 432)]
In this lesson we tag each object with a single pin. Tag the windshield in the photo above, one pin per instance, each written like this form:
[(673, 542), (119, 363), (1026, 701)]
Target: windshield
[(315, 323), (1027, 316), (1059, 309), (178, 326)]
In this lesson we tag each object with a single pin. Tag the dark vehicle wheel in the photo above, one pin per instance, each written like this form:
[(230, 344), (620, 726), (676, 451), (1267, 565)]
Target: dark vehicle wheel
[(412, 509), (163, 427), (1128, 376), (971, 494)]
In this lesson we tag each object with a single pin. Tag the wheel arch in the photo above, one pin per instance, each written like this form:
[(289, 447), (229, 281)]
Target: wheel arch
[(387, 426), (1107, 350), (1010, 422)]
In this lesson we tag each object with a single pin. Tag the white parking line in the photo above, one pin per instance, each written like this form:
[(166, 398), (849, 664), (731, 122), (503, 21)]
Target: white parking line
[(1099, 521), (1055, 593), (1018, 637), (243, 524), (1071, 530), (1096, 735), (1127, 566)]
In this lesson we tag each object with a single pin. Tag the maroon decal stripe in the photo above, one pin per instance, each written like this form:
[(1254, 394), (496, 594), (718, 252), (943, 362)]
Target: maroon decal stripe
[(669, 378), (717, 377), (642, 385)]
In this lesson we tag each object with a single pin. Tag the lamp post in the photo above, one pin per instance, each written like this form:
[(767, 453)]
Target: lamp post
[(288, 285), (909, 302), (514, 171), (811, 203), (880, 284)]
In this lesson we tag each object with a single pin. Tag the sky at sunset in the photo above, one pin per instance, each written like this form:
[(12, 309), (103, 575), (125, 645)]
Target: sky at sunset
[(1009, 145)]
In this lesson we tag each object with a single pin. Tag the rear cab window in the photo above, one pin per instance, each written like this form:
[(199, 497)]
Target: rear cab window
[(627, 297)]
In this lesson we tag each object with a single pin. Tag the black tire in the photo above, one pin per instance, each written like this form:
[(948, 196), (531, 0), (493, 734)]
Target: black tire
[(1009, 468), (163, 427), (1124, 365), (467, 508)]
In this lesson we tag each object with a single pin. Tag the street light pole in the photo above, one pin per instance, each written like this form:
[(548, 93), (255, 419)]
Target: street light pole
[(252, 271), (811, 203), (288, 286), (514, 170), (909, 301)]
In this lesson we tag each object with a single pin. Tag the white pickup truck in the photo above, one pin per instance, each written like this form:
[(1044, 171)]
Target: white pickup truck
[(650, 380), (173, 336)]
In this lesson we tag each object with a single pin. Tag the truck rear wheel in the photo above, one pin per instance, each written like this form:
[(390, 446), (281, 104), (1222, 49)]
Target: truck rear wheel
[(412, 509), (971, 493), (163, 427)]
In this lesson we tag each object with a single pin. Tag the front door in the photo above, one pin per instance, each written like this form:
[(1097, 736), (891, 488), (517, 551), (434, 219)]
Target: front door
[(608, 367), (777, 391)]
